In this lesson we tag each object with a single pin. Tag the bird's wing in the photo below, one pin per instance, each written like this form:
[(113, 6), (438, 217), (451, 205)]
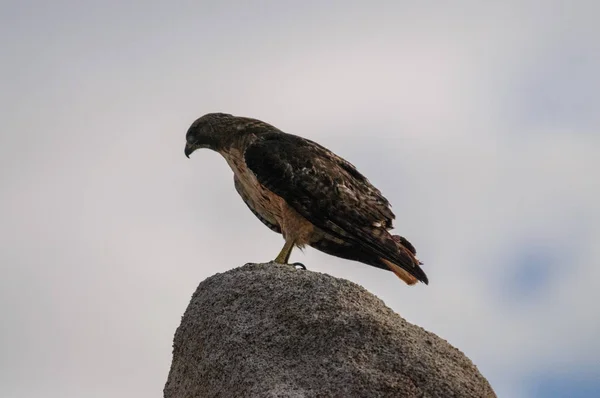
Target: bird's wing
[(326, 190), (316, 182)]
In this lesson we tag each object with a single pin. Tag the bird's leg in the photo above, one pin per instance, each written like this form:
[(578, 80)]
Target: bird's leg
[(284, 254)]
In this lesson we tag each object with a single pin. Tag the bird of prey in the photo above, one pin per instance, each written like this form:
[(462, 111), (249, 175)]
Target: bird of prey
[(307, 193)]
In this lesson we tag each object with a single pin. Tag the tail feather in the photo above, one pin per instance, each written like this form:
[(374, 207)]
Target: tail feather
[(404, 242), (405, 265), (400, 273), (409, 269)]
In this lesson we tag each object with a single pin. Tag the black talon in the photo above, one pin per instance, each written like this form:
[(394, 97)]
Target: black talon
[(299, 266)]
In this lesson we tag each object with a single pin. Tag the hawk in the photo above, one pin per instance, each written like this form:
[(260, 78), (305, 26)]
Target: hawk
[(307, 193)]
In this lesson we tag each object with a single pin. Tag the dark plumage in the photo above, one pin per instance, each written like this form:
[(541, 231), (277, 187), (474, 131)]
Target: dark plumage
[(304, 191)]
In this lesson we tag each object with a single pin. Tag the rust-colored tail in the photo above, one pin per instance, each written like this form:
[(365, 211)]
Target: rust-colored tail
[(404, 263), (410, 271), (400, 273)]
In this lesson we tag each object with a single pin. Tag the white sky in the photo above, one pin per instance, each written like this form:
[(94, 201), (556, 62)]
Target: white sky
[(479, 122)]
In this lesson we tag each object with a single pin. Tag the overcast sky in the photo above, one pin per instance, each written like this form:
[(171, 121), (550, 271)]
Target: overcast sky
[(478, 121)]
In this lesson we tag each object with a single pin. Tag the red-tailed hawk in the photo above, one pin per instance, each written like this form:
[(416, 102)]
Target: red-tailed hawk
[(307, 193)]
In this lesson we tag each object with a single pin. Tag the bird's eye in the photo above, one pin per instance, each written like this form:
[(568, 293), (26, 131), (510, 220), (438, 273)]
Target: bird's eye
[(191, 138)]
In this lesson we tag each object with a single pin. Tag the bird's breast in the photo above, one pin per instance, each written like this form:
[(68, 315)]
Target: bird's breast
[(269, 206), (262, 201)]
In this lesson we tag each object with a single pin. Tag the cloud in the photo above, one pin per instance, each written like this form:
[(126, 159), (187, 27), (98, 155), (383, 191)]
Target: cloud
[(571, 386), (474, 121)]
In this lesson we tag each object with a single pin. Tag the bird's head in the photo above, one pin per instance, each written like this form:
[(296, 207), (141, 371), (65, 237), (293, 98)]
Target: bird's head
[(207, 132)]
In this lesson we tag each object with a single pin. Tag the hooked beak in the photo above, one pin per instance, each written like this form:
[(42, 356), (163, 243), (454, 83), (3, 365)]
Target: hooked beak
[(189, 148)]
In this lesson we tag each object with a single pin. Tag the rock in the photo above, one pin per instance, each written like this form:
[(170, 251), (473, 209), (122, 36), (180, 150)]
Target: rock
[(268, 330)]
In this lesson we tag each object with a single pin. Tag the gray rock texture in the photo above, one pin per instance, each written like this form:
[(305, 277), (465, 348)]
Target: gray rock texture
[(268, 330)]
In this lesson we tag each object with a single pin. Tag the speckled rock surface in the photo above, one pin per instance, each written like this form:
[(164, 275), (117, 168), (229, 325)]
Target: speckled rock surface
[(267, 330)]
